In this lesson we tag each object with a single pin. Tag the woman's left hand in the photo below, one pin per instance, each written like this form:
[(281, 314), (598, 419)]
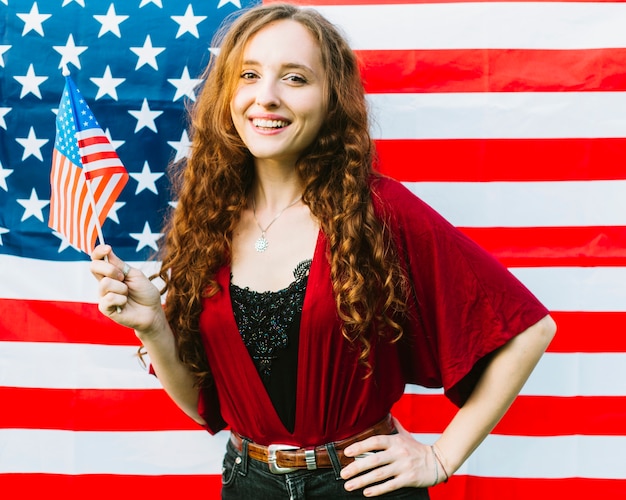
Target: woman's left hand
[(399, 461)]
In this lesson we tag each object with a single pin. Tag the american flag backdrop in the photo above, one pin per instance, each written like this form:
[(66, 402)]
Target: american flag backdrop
[(509, 118)]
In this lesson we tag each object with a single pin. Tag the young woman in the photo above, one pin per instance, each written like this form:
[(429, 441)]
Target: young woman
[(304, 290)]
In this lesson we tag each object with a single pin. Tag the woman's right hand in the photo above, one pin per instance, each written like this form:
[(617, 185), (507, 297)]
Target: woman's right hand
[(129, 299)]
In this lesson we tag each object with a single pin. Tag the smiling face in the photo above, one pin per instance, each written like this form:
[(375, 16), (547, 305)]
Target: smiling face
[(279, 104)]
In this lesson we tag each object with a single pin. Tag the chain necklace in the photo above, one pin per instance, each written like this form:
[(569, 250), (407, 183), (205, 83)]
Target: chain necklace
[(261, 244)]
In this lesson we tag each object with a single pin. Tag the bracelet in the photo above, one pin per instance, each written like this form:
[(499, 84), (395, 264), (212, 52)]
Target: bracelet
[(436, 467), (440, 463)]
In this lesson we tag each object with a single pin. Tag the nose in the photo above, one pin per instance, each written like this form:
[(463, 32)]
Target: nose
[(267, 94)]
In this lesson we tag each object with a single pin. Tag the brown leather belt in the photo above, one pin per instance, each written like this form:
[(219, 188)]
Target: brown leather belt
[(284, 458)]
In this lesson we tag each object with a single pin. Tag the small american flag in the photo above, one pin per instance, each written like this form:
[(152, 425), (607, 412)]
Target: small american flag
[(87, 174)]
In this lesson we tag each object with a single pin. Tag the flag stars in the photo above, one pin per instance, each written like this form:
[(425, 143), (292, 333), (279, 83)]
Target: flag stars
[(188, 23), (30, 82), (107, 85), (110, 22), (158, 3), (32, 146), (185, 85), (182, 147), (70, 52), (146, 238), (145, 117), (146, 179), (33, 206), (147, 54), (236, 3), (33, 20), (3, 49), (113, 212), (3, 230), (79, 2), (4, 173), (3, 113), (115, 144)]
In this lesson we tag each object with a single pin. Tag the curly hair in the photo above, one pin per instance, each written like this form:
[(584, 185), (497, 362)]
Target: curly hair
[(336, 172)]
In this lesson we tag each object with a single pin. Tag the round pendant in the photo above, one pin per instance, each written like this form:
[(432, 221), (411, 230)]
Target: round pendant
[(261, 244)]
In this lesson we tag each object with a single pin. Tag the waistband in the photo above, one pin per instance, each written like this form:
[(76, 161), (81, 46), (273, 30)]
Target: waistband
[(284, 458)]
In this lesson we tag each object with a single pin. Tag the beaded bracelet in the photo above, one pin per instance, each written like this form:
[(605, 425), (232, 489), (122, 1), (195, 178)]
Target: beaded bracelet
[(440, 463)]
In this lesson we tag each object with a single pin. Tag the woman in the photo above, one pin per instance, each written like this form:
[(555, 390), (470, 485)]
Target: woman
[(304, 290)]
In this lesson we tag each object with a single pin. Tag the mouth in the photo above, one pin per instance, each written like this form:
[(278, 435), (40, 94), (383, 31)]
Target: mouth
[(269, 124)]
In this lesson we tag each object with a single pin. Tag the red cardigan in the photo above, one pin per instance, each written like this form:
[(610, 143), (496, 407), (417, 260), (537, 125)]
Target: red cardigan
[(464, 305)]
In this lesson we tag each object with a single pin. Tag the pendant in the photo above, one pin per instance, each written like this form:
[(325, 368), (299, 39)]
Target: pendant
[(261, 244)]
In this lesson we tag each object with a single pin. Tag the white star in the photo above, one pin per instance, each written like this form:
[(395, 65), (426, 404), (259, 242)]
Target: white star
[(115, 144), (173, 204), (69, 52), (188, 23), (32, 146), (30, 82), (3, 230), (5, 2), (215, 51), (236, 3), (79, 2), (182, 147), (146, 238), (107, 84), (185, 85), (33, 206), (146, 179), (4, 173), (147, 54), (158, 3), (3, 113), (3, 49), (64, 242), (113, 212), (145, 117), (111, 22), (33, 20)]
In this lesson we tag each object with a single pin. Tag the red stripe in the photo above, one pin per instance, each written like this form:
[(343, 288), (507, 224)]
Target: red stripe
[(108, 171), (90, 141), (116, 410), (102, 155), (553, 246), (91, 410), (528, 416), (476, 160), (493, 70), (74, 322), (120, 487)]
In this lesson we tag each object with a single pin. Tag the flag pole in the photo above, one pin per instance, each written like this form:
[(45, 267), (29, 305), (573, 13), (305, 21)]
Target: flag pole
[(92, 200)]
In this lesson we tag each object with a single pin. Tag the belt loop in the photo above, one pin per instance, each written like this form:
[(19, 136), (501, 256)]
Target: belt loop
[(334, 459), (244, 456)]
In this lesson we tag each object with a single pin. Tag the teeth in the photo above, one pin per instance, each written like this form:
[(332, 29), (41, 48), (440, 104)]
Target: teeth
[(257, 122)]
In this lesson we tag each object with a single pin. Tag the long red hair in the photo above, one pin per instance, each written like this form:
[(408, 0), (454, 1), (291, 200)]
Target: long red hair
[(336, 171)]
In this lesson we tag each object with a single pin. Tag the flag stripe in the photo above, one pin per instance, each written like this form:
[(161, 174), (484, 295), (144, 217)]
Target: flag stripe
[(499, 115), (82, 323), (492, 70), (35, 365), (478, 160), (92, 410), (197, 452)]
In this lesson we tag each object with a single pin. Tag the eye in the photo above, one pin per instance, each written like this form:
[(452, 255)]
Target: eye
[(297, 79), (248, 75)]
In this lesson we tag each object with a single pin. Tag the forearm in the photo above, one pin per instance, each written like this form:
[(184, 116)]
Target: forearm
[(176, 379), (502, 380)]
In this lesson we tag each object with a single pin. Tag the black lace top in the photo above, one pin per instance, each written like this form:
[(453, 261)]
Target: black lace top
[(269, 323)]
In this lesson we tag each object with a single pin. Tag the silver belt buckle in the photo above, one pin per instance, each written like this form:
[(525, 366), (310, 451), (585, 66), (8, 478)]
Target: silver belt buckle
[(271, 458)]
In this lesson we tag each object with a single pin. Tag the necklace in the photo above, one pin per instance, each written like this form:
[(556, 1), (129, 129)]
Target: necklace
[(261, 244)]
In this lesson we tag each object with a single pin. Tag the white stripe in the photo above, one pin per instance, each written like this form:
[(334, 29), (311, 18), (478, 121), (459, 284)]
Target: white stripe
[(523, 25), (85, 366), (559, 288), (499, 115), (197, 452), (34, 279), (595, 289), (526, 204)]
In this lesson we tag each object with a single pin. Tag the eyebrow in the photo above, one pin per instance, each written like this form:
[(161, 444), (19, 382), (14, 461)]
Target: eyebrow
[(303, 67)]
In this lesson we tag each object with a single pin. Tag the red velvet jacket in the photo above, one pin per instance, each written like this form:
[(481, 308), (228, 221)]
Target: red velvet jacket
[(464, 305)]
